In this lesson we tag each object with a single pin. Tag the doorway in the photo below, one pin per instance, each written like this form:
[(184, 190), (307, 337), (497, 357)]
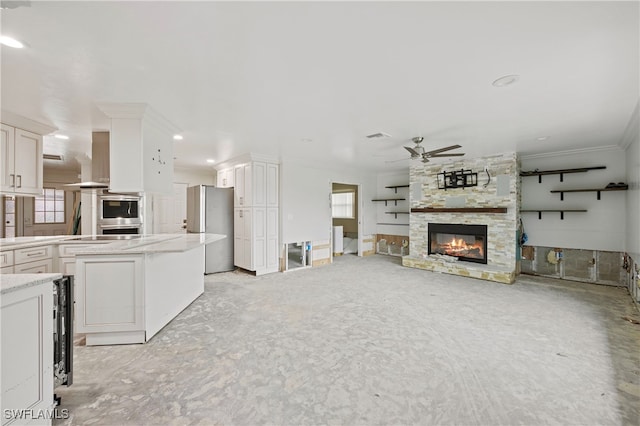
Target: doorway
[(346, 235)]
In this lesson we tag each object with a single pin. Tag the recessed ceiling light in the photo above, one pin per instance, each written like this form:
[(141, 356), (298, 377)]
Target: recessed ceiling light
[(543, 138), (11, 42), (210, 160), (59, 136), (507, 80), (177, 137)]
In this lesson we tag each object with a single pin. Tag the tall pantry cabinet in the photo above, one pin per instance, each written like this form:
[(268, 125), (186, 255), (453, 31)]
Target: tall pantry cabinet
[(256, 212)]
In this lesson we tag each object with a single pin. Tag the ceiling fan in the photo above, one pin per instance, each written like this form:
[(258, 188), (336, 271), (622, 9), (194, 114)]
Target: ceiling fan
[(418, 151)]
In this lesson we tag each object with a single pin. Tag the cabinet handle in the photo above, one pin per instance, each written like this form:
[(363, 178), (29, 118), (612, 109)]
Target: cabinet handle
[(13, 180), (240, 213), (241, 201), (39, 253), (20, 180)]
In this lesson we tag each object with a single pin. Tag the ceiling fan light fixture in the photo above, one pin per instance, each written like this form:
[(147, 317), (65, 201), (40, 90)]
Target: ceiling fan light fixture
[(506, 80)]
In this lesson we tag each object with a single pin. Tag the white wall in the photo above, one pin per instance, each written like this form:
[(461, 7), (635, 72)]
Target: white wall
[(388, 179), (632, 141), (305, 200), (194, 177), (602, 227)]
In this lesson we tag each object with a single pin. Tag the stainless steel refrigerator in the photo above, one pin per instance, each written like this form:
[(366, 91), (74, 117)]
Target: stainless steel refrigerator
[(210, 210)]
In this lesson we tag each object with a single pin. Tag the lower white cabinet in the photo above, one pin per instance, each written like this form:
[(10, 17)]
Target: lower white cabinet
[(242, 256), (32, 260), (110, 298), (37, 267), (27, 354), (256, 239)]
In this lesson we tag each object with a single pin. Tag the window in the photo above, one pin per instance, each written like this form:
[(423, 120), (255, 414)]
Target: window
[(342, 205), (49, 207)]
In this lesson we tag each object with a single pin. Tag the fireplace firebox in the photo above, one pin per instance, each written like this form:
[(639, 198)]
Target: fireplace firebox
[(466, 242)]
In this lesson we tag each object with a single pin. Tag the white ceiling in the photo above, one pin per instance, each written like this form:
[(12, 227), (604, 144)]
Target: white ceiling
[(267, 77)]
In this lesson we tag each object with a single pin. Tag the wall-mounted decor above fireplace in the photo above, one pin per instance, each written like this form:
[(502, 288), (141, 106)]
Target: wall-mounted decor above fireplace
[(457, 179)]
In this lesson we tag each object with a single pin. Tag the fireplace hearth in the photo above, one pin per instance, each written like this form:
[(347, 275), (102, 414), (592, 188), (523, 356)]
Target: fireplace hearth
[(466, 242)]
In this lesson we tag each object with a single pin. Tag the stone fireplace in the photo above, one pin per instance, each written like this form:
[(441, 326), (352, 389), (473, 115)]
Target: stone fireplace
[(468, 231)]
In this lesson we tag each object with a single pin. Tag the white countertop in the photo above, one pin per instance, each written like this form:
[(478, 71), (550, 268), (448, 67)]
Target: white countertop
[(14, 282), (152, 243), (159, 243), (25, 242)]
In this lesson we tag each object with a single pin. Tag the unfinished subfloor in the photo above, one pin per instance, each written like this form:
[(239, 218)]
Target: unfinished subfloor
[(366, 341)]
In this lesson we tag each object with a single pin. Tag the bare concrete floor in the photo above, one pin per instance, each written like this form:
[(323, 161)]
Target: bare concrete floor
[(367, 341)]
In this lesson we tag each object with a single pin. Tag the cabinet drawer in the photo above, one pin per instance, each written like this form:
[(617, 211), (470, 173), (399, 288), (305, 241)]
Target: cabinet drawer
[(6, 258), (37, 267), (31, 254), (69, 250), (67, 265), (6, 270)]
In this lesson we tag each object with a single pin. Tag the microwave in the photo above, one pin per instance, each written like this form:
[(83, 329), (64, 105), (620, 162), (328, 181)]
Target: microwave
[(120, 209)]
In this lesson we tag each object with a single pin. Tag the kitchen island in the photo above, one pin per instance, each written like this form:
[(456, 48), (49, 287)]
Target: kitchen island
[(128, 290)]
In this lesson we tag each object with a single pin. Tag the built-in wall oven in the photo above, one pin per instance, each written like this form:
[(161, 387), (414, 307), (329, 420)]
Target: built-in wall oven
[(120, 214)]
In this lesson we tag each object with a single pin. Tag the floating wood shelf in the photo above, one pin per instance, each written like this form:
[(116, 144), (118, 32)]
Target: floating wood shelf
[(560, 172), (396, 213), (459, 210), (598, 190), (395, 187), (562, 212), (395, 200)]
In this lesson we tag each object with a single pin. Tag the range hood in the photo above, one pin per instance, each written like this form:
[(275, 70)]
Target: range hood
[(99, 163)]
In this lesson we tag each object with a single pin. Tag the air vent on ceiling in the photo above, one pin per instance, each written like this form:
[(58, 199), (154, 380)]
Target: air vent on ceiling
[(378, 135), (52, 157)]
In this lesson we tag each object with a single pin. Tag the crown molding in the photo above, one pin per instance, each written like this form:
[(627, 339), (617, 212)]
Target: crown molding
[(632, 131), (24, 123), (137, 110), (571, 152)]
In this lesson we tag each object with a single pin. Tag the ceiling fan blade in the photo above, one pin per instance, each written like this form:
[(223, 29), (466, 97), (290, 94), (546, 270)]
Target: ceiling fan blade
[(437, 151), (413, 152), (396, 161), (446, 155)]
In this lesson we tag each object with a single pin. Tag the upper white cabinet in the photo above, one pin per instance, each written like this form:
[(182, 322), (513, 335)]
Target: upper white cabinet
[(225, 178), (257, 184), (21, 161), (140, 149)]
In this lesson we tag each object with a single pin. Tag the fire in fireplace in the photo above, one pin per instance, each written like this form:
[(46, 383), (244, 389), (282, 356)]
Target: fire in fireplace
[(466, 242)]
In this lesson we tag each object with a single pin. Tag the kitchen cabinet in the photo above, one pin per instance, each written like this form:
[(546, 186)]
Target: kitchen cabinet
[(242, 235), (21, 161), (225, 178), (110, 296), (27, 350), (67, 256), (32, 260), (256, 230)]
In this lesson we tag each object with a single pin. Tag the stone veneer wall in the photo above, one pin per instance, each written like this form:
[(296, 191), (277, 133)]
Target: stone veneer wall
[(502, 191)]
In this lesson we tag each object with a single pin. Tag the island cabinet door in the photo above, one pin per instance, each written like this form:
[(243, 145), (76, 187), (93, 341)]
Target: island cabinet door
[(109, 293)]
